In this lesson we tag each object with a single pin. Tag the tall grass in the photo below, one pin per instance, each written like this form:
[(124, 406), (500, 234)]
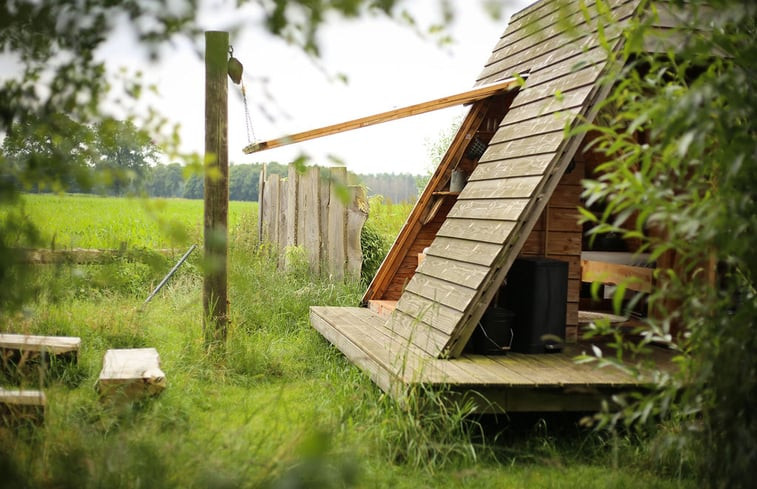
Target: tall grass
[(280, 407)]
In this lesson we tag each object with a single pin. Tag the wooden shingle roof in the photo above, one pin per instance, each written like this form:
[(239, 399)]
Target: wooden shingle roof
[(564, 49)]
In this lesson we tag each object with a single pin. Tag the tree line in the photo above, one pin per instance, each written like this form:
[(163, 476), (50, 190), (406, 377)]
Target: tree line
[(244, 182), (114, 157)]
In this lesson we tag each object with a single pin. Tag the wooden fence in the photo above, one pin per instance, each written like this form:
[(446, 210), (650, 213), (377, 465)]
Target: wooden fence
[(317, 211)]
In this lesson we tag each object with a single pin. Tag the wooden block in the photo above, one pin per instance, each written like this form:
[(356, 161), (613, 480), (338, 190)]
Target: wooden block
[(131, 373), (19, 406)]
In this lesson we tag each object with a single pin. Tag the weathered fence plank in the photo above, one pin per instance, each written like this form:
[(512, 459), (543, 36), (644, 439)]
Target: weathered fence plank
[(337, 225), (292, 208), (311, 215), (318, 211)]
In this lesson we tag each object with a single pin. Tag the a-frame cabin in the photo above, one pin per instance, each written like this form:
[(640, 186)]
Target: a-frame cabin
[(520, 199)]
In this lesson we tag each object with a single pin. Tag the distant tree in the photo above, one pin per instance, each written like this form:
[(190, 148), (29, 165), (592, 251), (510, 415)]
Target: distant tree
[(244, 181), (393, 187), (165, 180), (37, 159), (435, 150), (194, 188), (123, 154)]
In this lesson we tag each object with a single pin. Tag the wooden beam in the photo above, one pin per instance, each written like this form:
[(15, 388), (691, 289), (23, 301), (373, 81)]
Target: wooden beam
[(634, 278), (466, 97), (214, 297)]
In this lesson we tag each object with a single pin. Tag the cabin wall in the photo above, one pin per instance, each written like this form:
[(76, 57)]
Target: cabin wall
[(557, 235)]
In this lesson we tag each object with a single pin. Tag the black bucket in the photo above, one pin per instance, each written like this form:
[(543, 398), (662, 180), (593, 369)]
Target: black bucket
[(494, 333)]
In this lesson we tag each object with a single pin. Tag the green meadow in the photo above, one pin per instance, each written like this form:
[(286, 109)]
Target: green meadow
[(91, 221), (278, 407)]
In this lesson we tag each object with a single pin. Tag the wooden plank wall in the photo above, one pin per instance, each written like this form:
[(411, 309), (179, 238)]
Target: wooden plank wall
[(306, 210), (557, 235), (515, 179)]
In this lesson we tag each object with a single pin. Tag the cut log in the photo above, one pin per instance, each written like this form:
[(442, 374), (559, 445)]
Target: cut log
[(131, 374), (21, 406)]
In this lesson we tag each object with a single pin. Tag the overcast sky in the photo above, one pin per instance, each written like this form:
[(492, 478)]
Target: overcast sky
[(387, 66)]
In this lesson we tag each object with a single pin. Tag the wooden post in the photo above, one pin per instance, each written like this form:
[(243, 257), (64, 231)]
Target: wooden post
[(214, 299)]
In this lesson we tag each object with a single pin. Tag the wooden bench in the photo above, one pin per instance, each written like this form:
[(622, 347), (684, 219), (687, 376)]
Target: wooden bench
[(19, 406), (130, 374), (17, 350)]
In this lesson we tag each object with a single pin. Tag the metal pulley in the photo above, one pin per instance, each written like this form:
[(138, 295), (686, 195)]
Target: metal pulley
[(234, 67)]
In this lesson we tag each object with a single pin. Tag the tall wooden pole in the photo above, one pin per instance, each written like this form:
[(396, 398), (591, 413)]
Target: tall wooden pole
[(214, 298)]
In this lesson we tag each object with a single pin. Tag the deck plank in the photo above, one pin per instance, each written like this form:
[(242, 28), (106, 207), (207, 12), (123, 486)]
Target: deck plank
[(398, 356), (512, 382)]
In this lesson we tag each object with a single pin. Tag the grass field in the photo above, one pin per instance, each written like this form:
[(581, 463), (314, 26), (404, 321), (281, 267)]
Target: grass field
[(279, 407), (89, 221)]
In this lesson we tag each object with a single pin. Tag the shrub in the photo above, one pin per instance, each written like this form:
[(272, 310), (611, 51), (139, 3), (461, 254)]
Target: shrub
[(375, 247)]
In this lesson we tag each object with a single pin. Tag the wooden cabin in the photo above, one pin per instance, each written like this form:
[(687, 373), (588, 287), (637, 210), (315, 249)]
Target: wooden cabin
[(450, 263)]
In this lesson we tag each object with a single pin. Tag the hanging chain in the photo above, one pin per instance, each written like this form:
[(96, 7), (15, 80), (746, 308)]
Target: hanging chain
[(235, 73), (247, 118)]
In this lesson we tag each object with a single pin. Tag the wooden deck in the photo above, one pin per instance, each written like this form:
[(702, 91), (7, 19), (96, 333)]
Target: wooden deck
[(512, 382)]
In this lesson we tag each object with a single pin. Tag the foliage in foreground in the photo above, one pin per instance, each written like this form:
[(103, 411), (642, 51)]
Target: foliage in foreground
[(679, 132), (278, 408)]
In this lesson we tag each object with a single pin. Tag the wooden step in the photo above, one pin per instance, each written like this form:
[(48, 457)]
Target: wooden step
[(20, 406), (131, 374), (381, 307)]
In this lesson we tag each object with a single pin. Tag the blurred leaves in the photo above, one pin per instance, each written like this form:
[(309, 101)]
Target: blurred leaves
[(676, 132)]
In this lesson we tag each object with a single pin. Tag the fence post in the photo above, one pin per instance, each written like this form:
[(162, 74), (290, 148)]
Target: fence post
[(214, 297)]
